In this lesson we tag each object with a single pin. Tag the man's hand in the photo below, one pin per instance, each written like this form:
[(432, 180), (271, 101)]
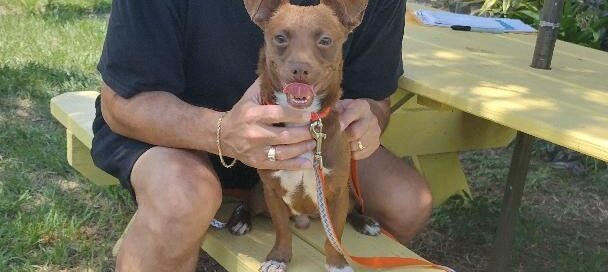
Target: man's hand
[(359, 119), (247, 133)]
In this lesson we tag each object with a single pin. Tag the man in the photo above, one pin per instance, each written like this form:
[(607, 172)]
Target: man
[(170, 68)]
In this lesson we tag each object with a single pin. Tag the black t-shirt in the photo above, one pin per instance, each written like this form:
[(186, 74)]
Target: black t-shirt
[(206, 51)]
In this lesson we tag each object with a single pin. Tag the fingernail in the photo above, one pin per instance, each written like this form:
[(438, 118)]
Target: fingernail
[(342, 125)]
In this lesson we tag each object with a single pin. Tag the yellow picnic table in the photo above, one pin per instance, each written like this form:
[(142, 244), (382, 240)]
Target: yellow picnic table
[(489, 76)]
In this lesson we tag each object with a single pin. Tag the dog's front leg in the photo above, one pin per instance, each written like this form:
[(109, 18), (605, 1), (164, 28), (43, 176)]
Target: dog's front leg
[(280, 255), (338, 209)]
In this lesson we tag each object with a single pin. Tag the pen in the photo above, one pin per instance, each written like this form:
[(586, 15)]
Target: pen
[(477, 29)]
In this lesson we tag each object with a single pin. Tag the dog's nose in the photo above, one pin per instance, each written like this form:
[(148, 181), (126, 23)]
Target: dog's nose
[(299, 70)]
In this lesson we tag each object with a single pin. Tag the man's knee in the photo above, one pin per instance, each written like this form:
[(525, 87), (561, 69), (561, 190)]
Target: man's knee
[(409, 216), (425, 196), (176, 187), (405, 203)]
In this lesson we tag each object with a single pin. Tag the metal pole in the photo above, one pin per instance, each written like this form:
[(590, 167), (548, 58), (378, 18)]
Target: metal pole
[(547, 34)]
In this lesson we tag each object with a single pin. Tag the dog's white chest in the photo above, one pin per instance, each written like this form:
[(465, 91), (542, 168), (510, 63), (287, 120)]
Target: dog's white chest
[(292, 181)]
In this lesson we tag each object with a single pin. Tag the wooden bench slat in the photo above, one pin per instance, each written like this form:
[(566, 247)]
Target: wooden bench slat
[(79, 157), (432, 132), (76, 111), (247, 252), (359, 244)]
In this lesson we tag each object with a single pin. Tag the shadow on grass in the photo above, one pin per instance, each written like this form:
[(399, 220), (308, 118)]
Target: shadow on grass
[(64, 12), (39, 82), (28, 133), (54, 11)]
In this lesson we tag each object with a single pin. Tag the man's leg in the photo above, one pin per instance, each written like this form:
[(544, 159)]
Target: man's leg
[(395, 194), (178, 193)]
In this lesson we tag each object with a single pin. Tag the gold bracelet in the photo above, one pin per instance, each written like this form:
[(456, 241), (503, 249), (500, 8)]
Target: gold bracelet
[(217, 142)]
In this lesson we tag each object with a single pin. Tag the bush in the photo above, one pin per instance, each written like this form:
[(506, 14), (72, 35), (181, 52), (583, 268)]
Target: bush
[(583, 22)]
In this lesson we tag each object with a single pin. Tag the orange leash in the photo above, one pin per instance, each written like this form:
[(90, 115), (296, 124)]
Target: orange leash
[(316, 129), (369, 262)]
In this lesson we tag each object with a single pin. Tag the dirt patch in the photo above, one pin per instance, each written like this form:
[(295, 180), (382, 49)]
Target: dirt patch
[(563, 217)]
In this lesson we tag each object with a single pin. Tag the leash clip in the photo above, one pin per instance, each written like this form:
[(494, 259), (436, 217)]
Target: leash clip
[(316, 130)]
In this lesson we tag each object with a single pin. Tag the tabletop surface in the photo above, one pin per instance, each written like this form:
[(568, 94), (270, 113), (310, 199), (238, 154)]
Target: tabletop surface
[(489, 75)]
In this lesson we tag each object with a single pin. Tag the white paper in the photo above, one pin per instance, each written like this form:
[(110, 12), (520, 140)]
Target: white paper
[(447, 19)]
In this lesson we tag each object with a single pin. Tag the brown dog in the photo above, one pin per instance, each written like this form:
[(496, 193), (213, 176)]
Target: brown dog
[(303, 45)]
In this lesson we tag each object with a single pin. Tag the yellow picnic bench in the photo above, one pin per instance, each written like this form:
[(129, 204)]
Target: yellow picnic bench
[(76, 111)]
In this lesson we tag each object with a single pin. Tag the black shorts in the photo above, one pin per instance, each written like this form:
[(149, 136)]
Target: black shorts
[(116, 155)]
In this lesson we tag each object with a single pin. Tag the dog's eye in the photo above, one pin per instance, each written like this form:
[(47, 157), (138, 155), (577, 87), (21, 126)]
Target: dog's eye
[(280, 40), (325, 41)]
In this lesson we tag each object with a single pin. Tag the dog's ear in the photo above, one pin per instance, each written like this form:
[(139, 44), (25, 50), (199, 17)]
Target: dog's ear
[(350, 12), (260, 11)]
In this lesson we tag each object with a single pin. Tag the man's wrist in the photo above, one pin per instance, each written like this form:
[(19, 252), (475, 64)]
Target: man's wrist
[(205, 130), (381, 109)]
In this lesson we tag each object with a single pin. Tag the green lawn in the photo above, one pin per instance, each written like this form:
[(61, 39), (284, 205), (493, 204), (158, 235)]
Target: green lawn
[(53, 219)]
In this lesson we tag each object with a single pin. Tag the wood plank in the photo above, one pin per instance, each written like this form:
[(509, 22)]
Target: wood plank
[(444, 175), (491, 78), (526, 41), (491, 50), (417, 130), (432, 104), (359, 245), (79, 157), (246, 253), (76, 111)]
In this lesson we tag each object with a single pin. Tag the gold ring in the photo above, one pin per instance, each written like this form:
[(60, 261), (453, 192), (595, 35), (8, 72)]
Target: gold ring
[(360, 146), (272, 154)]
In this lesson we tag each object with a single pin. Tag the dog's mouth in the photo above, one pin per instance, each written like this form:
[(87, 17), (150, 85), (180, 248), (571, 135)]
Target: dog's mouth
[(299, 95)]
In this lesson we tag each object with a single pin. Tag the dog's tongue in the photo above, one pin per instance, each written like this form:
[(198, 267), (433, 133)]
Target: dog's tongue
[(299, 95), (298, 89)]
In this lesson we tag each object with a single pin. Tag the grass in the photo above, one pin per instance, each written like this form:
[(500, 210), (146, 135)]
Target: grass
[(51, 219)]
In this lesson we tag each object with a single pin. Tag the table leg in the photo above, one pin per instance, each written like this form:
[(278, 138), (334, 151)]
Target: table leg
[(502, 251)]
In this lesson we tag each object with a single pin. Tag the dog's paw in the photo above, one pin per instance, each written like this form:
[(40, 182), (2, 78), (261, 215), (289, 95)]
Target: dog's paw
[(364, 224), (273, 266), (240, 220), (331, 268)]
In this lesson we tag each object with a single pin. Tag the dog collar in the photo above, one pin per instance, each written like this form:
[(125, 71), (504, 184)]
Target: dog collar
[(315, 116)]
